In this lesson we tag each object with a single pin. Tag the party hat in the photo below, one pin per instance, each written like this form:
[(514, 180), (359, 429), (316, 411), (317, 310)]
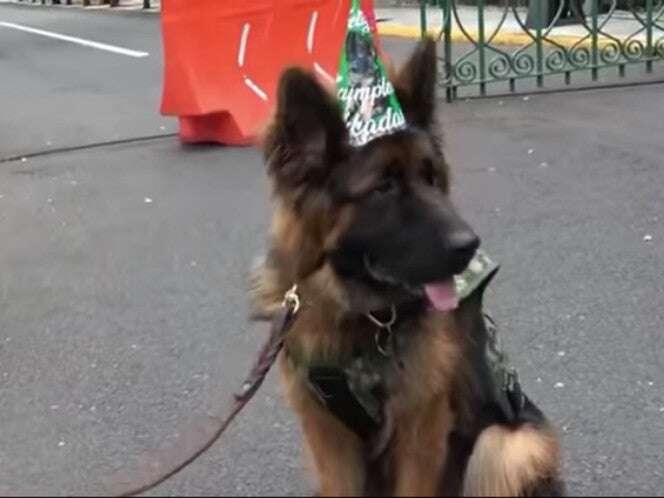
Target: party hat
[(370, 105)]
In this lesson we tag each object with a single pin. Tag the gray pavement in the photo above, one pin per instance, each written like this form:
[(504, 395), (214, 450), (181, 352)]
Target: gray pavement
[(58, 94), (122, 295)]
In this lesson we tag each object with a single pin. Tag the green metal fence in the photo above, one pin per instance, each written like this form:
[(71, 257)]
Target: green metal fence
[(540, 40)]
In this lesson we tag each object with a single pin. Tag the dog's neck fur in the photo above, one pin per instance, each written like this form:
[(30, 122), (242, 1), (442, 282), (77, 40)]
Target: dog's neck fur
[(298, 258), (272, 277)]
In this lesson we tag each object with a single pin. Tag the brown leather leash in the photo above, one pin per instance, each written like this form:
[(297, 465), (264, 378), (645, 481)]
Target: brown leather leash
[(266, 358)]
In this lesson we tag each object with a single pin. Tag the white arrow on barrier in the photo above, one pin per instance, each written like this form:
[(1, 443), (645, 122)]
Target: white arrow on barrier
[(241, 57), (313, 22)]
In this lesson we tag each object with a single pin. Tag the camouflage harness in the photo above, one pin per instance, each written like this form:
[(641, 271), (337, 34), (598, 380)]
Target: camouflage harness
[(354, 391)]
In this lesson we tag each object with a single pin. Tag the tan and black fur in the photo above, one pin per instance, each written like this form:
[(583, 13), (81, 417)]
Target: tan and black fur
[(360, 230)]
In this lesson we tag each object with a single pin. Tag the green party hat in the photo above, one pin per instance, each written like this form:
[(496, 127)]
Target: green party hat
[(370, 105)]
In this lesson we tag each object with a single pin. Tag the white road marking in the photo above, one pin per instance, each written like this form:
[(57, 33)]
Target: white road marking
[(312, 31), (79, 41), (243, 44)]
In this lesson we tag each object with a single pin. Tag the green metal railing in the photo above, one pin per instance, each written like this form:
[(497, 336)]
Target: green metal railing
[(535, 40)]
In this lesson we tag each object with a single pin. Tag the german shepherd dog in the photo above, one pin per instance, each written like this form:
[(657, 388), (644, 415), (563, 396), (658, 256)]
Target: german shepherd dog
[(362, 231)]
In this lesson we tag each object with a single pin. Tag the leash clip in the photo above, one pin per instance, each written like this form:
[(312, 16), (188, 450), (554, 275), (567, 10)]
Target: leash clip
[(292, 300)]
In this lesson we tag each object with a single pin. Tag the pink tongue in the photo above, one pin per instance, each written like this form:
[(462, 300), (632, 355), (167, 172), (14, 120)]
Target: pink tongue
[(442, 295)]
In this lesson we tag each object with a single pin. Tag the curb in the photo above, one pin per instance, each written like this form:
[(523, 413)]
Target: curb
[(507, 38)]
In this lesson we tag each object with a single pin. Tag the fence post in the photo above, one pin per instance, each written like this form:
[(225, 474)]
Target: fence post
[(447, 32), (423, 18), (539, 15), (481, 40), (649, 34), (594, 12)]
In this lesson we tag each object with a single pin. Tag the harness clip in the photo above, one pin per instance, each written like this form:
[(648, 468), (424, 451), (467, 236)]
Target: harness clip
[(292, 300)]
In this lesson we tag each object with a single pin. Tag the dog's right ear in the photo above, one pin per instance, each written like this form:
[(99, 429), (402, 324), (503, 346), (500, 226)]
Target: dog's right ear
[(308, 134), (415, 85)]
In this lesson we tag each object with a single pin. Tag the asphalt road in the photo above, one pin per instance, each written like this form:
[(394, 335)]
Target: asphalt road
[(58, 94), (122, 270)]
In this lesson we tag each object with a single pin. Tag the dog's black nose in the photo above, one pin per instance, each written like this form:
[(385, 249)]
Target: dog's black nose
[(463, 244)]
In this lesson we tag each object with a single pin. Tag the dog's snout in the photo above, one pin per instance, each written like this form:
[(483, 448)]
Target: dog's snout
[(463, 244)]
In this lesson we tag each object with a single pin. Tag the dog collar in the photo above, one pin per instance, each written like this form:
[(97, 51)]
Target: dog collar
[(386, 321)]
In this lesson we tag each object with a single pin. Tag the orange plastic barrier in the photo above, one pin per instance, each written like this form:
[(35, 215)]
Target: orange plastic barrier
[(223, 59)]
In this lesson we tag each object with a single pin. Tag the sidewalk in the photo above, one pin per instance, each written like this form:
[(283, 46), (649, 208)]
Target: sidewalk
[(405, 22)]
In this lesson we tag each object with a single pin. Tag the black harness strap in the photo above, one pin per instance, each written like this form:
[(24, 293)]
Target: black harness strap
[(333, 390), (354, 392)]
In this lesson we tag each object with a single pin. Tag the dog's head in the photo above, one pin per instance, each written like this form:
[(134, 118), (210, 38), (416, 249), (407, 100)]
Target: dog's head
[(379, 217)]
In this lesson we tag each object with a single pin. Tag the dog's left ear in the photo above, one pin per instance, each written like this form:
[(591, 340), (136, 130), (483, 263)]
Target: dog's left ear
[(415, 85), (308, 134)]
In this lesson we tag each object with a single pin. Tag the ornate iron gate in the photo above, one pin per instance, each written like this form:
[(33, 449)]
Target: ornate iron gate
[(537, 39)]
